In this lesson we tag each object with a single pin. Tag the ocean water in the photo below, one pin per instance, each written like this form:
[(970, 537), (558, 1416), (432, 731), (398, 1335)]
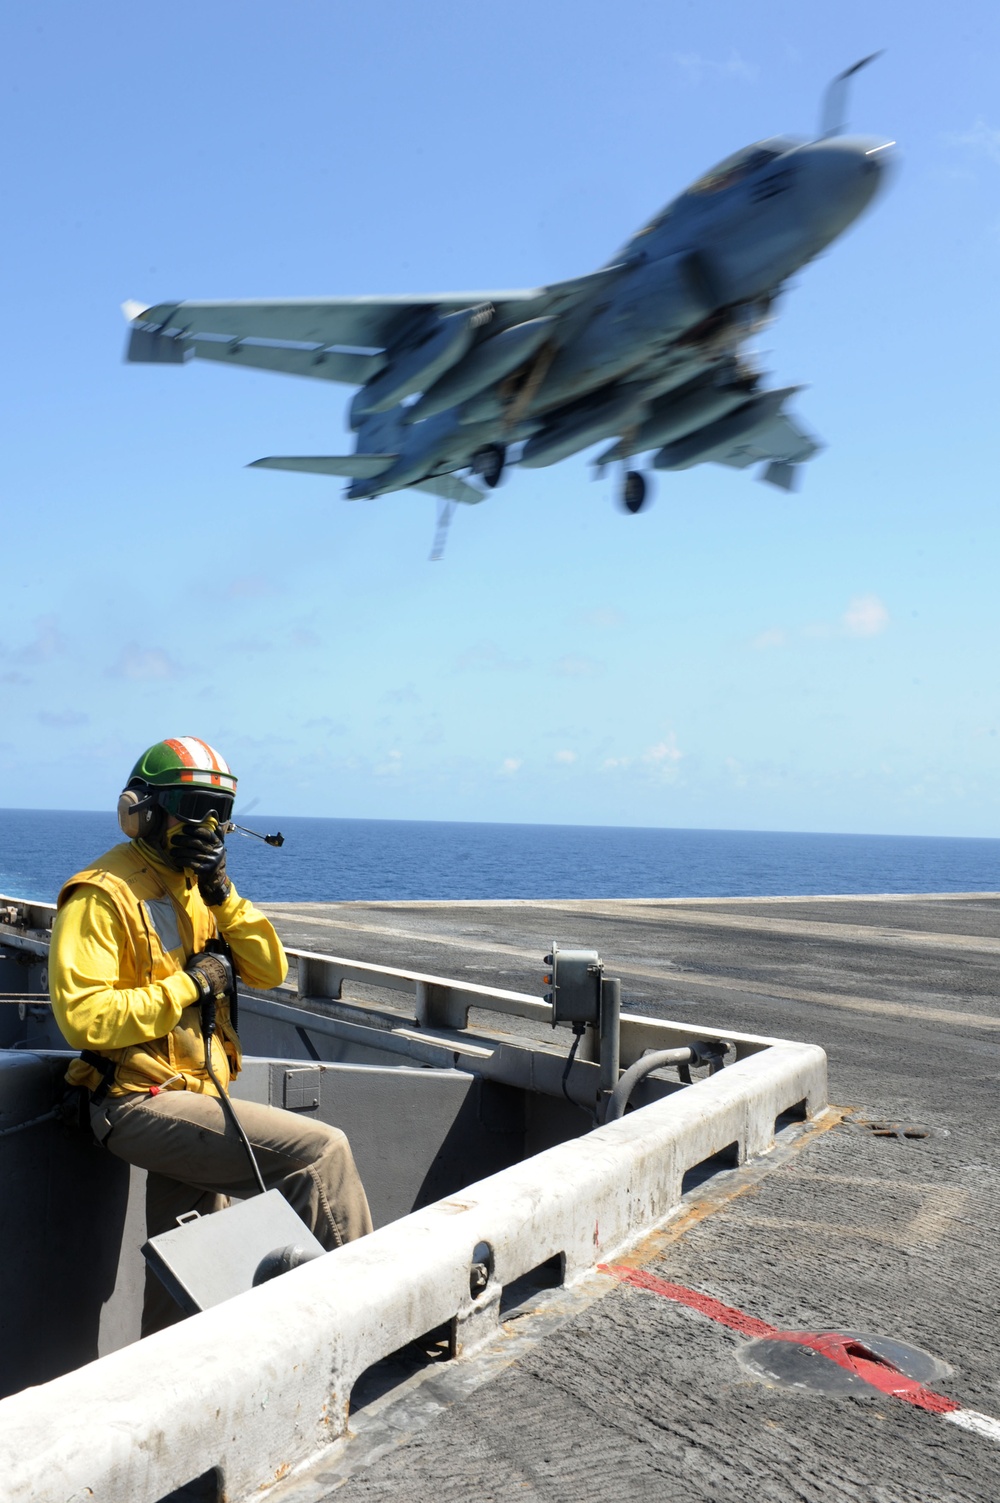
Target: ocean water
[(335, 859)]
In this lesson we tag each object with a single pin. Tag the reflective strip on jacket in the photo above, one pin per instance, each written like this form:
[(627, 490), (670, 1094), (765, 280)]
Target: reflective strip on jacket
[(125, 928)]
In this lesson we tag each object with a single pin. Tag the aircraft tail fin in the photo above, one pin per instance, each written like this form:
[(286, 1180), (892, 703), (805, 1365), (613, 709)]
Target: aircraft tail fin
[(451, 488), (782, 474)]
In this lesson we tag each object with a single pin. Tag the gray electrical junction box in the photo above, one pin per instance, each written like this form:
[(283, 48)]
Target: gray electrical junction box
[(574, 979)]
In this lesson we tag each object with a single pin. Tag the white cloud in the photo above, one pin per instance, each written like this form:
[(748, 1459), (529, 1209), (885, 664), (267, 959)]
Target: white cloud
[(659, 763), (250, 587), (566, 756), (62, 719), (604, 616), (664, 759), (664, 751), (982, 138), (698, 68), (249, 646), (391, 767), (509, 766), (735, 768), (138, 663), (774, 637), (487, 657), (48, 641), (866, 616), (577, 665), (328, 724)]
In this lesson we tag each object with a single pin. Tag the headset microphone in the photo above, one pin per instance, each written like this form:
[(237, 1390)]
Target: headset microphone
[(227, 829)]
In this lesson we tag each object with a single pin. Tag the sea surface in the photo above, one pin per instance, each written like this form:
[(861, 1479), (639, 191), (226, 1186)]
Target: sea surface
[(324, 860)]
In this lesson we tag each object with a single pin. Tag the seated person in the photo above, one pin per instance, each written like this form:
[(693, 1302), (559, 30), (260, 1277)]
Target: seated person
[(136, 968)]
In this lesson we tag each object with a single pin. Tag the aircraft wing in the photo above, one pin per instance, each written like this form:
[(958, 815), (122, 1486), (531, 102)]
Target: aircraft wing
[(321, 365), (352, 466), (325, 337)]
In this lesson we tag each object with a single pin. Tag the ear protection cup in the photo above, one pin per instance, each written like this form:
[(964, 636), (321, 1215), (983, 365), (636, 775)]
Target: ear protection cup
[(139, 816)]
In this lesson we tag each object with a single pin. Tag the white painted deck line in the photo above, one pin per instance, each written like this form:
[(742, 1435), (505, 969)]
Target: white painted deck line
[(979, 1424)]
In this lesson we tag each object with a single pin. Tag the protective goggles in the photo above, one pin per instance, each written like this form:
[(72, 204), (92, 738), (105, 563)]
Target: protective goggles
[(196, 804)]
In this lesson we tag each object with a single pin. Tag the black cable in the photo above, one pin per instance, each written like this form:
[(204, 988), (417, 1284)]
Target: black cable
[(578, 1030), (208, 1029)]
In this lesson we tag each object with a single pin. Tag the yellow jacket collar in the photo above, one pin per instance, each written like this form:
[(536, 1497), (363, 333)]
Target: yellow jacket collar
[(174, 881)]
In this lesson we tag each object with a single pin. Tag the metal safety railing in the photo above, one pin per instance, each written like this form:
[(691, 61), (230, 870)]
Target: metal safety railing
[(435, 1029)]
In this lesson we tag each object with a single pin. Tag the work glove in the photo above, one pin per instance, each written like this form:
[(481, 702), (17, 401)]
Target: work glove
[(213, 973), (201, 849)]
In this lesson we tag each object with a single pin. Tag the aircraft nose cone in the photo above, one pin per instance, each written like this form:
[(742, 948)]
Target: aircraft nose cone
[(875, 160), (845, 174)]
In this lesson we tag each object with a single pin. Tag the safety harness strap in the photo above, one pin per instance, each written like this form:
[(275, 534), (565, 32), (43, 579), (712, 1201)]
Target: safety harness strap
[(106, 1069)]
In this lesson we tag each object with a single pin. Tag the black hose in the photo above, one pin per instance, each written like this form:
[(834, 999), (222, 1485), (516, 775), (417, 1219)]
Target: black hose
[(208, 1029)]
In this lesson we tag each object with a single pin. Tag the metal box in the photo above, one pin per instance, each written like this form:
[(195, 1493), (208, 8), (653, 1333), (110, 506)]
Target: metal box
[(574, 977), (207, 1259)]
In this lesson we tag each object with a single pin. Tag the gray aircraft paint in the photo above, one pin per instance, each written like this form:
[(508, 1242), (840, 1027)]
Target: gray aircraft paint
[(651, 348)]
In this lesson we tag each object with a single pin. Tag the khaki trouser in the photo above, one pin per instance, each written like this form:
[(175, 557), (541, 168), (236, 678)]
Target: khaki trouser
[(195, 1161)]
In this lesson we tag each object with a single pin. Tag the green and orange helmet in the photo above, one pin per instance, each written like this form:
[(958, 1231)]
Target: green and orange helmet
[(187, 777)]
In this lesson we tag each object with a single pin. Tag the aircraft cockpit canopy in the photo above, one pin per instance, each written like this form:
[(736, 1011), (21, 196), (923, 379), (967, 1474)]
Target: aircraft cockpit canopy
[(741, 164), (733, 170)]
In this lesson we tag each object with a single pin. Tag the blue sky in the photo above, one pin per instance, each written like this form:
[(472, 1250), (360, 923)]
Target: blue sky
[(733, 657)]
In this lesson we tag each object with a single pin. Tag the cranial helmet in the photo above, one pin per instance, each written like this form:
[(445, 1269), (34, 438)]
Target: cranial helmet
[(184, 777)]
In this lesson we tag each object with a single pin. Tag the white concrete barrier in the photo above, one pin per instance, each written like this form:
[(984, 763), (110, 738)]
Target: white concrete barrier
[(260, 1385)]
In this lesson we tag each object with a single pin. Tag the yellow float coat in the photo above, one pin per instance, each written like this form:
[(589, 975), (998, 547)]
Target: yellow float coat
[(125, 928)]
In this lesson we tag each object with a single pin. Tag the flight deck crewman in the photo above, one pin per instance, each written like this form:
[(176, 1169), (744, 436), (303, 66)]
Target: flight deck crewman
[(133, 957)]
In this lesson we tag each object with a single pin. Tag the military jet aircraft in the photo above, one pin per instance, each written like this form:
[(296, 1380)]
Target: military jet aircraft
[(649, 351)]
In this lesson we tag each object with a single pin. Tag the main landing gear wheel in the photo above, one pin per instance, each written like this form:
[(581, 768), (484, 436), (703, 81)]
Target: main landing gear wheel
[(634, 491), (488, 464)]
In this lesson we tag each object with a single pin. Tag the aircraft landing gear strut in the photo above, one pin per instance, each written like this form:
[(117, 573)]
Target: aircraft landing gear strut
[(634, 491), (488, 464)]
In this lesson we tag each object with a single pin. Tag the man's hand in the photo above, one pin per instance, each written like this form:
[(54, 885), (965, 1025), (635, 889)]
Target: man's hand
[(200, 849), (213, 973)]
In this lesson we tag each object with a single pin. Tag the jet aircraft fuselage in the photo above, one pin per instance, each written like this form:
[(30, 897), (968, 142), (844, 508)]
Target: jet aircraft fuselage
[(648, 351)]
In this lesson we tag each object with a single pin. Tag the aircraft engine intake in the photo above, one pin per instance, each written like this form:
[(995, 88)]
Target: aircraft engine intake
[(650, 306), (417, 365)]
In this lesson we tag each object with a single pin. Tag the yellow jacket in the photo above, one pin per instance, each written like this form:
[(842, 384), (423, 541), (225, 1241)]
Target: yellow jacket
[(125, 928)]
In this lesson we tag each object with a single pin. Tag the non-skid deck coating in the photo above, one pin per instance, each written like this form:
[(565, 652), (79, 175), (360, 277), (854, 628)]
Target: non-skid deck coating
[(626, 1394)]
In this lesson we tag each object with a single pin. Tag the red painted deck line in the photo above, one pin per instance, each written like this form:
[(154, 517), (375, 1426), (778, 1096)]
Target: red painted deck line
[(723, 1315), (846, 1352)]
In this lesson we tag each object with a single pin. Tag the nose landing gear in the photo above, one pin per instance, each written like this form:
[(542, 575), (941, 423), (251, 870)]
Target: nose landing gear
[(634, 491)]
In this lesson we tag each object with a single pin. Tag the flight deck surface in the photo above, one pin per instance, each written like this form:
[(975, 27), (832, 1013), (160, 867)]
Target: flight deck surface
[(613, 1390)]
